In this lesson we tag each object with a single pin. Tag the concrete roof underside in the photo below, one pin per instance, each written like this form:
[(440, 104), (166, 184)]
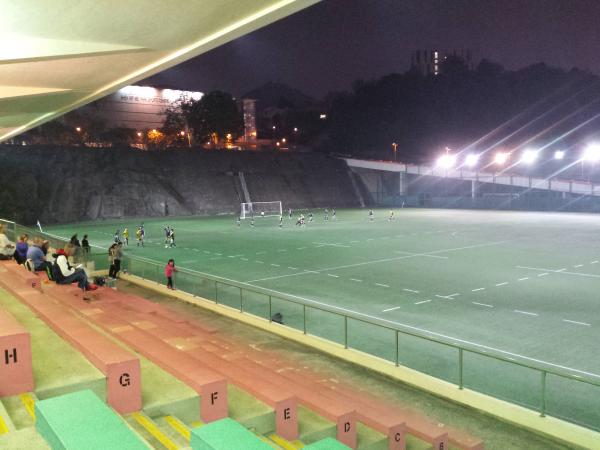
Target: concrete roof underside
[(58, 55)]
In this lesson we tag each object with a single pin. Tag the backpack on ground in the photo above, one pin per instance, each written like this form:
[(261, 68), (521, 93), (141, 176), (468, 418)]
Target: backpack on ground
[(50, 272)]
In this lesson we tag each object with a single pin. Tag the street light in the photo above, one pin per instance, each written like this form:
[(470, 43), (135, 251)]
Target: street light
[(559, 154), (529, 156), (592, 153), (394, 149), (500, 158), (182, 133), (472, 159), (78, 129), (139, 134), (446, 161), (295, 129)]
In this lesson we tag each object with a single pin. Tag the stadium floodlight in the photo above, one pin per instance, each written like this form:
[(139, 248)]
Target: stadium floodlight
[(446, 161), (529, 156), (471, 160), (592, 153), (500, 158), (559, 154)]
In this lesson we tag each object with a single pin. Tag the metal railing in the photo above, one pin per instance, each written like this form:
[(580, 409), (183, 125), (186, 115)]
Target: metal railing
[(568, 394)]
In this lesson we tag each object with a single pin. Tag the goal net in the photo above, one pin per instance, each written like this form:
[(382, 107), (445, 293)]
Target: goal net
[(260, 209)]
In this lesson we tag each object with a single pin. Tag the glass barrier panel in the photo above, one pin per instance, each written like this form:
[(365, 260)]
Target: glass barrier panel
[(430, 357), (184, 282), (229, 296), (573, 400), (325, 324), (291, 313), (256, 304), (372, 339), (205, 288), (501, 379)]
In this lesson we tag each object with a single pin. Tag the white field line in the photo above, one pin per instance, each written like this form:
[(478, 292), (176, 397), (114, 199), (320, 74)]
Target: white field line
[(244, 259), (275, 265), (391, 309), (325, 244), (419, 254), (382, 285), (562, 271), (478, 289), (332, 275), (594, 262), (523, 279), (578, 265), (422, 301), (354, 279), (483, 304), (525, 312), (411, 290), (578, 323), (259, 262), (542, 274), (445, 297), (376, 261), (292, 268), (504, 283), (206, 251)]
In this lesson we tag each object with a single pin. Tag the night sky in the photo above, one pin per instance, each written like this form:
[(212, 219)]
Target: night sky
[(328, 46)]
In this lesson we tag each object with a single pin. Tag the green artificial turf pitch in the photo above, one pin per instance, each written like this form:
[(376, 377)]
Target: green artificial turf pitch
[(521, 285)]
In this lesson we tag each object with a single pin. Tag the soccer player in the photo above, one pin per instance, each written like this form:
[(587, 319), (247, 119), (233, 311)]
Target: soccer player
[(333, 214), (391, 217), (326, 214), (310, 216), (172, 238), (239, 221), (126, 236), (280, 221), (140, 237), (117, 236), (262, 214), (167, 234), (371, 216), (290, 213), (252, 220)]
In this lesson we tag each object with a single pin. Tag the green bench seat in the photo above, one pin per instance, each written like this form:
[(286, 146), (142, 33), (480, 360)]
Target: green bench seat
[(225, 434), (81, 420), (326, 444)]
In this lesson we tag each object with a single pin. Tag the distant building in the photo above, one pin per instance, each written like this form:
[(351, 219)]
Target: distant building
[(249, 110), (138, 107), (429, 62)]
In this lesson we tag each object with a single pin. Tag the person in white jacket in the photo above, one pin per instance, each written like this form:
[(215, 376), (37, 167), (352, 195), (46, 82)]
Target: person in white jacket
[(7, 247), (65, 274)]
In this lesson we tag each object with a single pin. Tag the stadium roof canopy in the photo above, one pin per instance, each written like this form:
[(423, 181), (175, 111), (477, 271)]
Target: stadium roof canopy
[(58, 55)]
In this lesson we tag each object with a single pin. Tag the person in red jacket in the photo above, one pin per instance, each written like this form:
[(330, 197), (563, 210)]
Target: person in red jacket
[(169, 271)]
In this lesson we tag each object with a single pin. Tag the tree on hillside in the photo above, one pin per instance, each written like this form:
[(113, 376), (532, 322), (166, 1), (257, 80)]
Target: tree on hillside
[(213, 117)]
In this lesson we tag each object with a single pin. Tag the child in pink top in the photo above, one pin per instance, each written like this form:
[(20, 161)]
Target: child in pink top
[(169, 270)]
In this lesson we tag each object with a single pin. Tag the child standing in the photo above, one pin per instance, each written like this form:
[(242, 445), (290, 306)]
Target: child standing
[(169, 270)]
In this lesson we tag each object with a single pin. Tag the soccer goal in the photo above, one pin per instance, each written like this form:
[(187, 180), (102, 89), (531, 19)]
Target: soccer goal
[(260, 209)]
